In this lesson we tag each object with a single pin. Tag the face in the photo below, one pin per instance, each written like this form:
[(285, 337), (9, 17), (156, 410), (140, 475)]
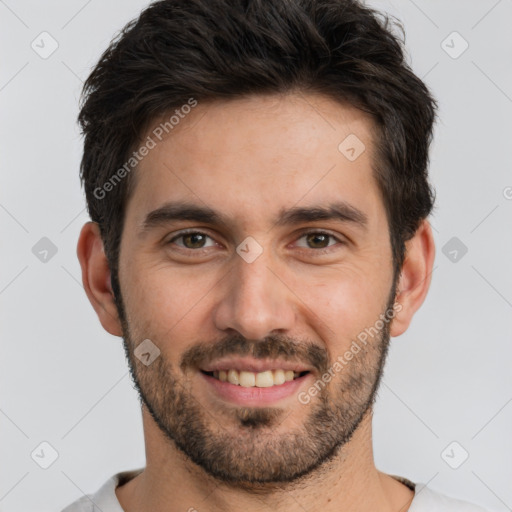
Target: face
[(255, 257)]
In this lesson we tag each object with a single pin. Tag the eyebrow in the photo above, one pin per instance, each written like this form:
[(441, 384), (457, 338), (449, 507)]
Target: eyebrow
[(184, 211)]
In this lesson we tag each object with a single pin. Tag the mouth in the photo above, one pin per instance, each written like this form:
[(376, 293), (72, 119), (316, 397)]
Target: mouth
[(249, 382), (250, 379)]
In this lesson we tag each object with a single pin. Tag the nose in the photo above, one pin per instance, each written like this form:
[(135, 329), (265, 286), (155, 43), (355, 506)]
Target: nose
[(255, 300)]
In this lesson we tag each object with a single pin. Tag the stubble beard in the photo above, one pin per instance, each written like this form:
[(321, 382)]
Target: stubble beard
[(241, 446)]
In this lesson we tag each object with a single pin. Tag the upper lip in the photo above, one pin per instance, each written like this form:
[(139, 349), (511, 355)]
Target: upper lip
[(250, 364)]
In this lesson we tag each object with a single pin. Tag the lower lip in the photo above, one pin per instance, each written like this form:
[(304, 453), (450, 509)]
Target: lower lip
[(255, 396)]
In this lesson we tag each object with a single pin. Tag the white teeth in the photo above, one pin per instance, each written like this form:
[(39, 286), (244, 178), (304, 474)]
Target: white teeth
[(247, 379), (233, 377), (288, 375), (279, 377), (264, 379)]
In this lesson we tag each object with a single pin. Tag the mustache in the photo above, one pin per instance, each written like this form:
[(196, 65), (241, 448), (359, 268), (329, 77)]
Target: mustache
[(271, 347)]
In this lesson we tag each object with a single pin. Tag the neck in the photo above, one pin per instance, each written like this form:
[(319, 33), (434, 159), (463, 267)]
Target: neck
[(349, 482)]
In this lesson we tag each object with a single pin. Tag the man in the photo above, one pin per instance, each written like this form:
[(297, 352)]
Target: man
[(256, 175)]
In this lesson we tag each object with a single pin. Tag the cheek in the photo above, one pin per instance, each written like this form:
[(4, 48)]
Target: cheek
[(165, 304), (342, 309)]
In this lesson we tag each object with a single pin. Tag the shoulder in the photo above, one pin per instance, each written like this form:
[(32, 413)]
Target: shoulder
[(104, 499), (428, 500), (83, 504)]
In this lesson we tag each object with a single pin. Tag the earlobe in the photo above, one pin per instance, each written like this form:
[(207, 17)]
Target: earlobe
[(415, 277), (96, 277)]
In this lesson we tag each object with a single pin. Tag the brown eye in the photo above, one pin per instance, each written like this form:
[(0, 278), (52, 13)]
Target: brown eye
[(319, 240), (191, 240)]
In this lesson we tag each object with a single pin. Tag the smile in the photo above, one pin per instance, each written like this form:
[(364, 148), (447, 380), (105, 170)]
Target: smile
[(248, 379)]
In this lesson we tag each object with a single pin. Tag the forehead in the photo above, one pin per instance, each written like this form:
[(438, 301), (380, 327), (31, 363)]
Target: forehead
[(253, 157)]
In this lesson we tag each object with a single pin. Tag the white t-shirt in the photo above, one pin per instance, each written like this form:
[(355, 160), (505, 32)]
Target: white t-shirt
[(425, 499)]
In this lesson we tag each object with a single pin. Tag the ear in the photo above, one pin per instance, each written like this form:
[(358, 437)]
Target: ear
[(415, 277), (96, 277)]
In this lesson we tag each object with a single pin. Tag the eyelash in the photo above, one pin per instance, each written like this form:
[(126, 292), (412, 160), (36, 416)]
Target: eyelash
[(323, 250)]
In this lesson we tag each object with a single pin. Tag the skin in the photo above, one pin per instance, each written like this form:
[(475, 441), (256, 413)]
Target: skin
[(248, 158)]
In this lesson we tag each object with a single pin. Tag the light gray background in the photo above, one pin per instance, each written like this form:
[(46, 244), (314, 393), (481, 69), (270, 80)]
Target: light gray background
[(64, 380)]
